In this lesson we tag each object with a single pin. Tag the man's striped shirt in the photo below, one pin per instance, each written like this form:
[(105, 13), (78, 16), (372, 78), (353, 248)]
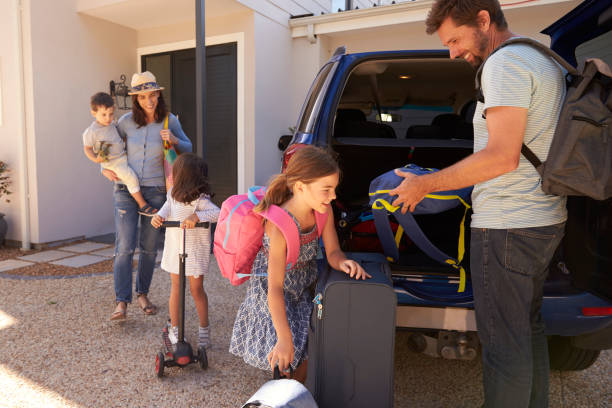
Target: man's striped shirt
[(519, 76)]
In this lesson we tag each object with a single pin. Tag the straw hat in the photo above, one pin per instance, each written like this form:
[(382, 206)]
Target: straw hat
[(144, 82)]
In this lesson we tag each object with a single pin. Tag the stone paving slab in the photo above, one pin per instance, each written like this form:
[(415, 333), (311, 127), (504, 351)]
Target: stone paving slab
[(84, 247), (107, 252), (46, 256), (10, 264), (80, 260)]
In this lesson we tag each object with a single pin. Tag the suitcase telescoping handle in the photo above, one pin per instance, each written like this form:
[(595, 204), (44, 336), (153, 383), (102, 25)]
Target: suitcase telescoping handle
[(177, 224)]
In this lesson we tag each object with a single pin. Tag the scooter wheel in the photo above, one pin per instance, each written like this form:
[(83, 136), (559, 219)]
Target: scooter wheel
[(202, 358), (159, 364)]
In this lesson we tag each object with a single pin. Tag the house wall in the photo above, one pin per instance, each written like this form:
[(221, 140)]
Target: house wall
[(306, 60), (239, 22), (69, 196), (166, 34), (273, 98), (9, 114)]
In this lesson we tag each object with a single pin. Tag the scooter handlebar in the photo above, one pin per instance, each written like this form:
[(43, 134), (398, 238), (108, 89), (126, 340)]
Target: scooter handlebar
[(177, 224)]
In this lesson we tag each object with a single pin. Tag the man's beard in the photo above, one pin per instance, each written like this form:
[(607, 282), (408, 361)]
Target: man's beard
[(482, 42)]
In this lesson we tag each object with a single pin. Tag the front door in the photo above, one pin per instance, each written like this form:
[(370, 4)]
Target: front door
[(175, 71)]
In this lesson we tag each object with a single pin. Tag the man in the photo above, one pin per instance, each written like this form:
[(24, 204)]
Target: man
[(516, 227)]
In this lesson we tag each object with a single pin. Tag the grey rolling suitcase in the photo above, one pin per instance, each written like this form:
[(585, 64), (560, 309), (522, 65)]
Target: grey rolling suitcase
[(352, 336)]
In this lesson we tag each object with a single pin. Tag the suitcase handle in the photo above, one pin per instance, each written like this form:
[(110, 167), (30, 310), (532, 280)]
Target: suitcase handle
[(277, 375)]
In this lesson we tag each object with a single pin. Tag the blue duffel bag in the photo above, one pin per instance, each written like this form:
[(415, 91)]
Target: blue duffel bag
[(380, 201)]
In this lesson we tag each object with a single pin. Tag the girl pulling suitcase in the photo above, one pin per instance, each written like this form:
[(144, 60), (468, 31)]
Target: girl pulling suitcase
[(271, 326)]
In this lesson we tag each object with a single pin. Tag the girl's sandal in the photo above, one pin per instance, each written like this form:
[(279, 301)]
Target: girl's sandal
[(147, 210), (120, 312), (145, 304)]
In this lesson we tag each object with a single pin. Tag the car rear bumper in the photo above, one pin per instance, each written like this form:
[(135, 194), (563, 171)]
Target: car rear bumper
[(437, 318), (562, 314), (435, 304)]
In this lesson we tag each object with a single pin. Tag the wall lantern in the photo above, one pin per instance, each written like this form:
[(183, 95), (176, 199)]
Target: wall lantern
[(118, 89)]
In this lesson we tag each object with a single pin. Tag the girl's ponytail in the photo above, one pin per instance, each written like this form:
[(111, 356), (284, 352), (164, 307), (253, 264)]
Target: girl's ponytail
[(277, 193), (307, 164)]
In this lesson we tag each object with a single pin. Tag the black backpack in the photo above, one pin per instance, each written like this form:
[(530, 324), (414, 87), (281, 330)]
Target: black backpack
[(579, 161)]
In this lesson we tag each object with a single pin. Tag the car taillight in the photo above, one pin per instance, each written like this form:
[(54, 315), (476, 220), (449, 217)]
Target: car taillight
[(597, 311), (289, 152)]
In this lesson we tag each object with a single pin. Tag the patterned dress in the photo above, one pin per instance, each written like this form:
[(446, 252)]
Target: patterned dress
[(254, 335)]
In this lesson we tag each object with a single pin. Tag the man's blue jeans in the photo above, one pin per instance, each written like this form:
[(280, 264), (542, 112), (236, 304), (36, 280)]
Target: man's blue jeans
[(126, 227), (508, 269)]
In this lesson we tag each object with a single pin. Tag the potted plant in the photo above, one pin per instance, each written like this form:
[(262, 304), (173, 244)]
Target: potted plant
[(5, 182)]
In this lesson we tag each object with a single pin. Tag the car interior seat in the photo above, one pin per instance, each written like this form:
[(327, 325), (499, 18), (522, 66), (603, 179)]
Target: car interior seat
[(467, 111), (466, 131), (451, 125), (353, 123), (443, 126), (438, 129), (423, 132)]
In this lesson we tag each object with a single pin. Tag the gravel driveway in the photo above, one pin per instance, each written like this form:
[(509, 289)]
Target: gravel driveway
[(58, 348)]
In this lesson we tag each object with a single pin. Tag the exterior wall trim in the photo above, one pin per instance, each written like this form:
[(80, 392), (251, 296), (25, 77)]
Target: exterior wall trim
[(362, 18), (373, 17), (238, 38)]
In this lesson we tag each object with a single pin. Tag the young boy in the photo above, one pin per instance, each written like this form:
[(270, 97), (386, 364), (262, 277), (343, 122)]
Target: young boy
[(102, 144)]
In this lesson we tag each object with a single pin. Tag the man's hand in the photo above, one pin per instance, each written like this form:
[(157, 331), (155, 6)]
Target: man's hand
[(190, 221), (109, 174), (410, 192)]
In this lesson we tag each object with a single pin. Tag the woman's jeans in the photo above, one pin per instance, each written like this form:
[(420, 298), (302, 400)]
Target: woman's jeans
[(508, 270), (126, 227)]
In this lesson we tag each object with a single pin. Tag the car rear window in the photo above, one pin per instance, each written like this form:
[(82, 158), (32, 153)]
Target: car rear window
[(398, 99)]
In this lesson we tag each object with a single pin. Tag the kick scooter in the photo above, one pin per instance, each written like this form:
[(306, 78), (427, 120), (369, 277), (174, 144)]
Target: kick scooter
[(181, 354)]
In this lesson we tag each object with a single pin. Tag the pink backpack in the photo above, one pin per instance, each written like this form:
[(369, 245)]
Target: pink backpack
[(240, 231)]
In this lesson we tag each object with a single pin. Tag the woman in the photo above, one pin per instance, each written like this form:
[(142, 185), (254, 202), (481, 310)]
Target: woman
[(142, 129)]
